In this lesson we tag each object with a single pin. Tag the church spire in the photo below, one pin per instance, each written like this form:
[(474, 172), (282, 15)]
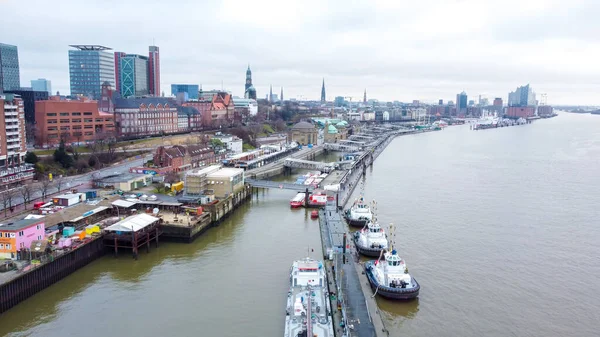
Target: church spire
[(365, 98), (271, 94), (281, 98), (323, 99)]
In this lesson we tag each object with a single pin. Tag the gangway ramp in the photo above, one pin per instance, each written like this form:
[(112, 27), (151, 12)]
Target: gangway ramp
[(307, 164), (279, 185)]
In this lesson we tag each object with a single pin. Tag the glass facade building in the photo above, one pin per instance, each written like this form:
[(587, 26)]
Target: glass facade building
[(9, 68), (133, 71), (190, 89), (42, 84), (89, 67)]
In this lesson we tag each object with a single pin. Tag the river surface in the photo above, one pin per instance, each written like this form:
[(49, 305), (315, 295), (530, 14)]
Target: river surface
[(501, 228)]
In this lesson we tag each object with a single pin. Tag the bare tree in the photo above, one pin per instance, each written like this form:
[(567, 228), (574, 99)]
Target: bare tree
[(7, 199), (59, 182), (26, 194), (111, 145), (44, 186), (4, 200)]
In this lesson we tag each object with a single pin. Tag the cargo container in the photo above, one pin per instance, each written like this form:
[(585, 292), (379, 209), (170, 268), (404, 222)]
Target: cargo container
[(70, 199)]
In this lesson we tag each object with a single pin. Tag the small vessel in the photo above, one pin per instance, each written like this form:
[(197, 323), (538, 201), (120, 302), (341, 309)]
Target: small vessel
[(390, 278), (359, 214), (308, 311), (317, 199), (300, 180), (371, 240), (298, 200), (314, 214)]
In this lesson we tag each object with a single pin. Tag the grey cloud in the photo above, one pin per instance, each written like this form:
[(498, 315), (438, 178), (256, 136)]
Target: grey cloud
[(352, 44)]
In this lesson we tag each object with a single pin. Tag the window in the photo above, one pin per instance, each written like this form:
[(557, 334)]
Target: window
[(8, 246), (76, 120), (88, 127), (88, 120), (39, 236), (37, 227), (52, 128), (52, 121), (64, 114), (65, 121), (21, 233), (6, 235), (1, 246), (51, 114), (76, 114), (87, 113), (99, 120)]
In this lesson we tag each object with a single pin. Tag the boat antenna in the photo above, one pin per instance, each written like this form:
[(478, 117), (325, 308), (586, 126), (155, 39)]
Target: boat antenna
[(392, 234)]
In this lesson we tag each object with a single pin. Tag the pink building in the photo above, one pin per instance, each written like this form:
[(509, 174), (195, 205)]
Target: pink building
[(19, 236), (520, 111)]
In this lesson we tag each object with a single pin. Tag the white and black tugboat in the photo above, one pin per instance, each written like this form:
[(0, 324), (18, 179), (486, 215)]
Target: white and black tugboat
[(390, 278), (308, 310), (359, 214), (371, 240)]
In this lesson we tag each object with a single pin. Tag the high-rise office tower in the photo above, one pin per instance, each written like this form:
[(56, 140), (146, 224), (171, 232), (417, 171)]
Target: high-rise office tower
[(323, 99), (89, 67), (154, 71), (9, 68), (133, 70), (42, 84)]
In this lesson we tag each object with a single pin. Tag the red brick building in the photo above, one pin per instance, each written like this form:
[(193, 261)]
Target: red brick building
[(545, 110), (148, 116), (518, 111), (498, 101), (13, 169), (74, 121), (180, 158), (222, 110)]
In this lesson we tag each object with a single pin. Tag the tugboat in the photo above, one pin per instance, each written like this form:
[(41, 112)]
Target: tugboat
[(390, 278), (308, 310), (371, 240), (359, 214)]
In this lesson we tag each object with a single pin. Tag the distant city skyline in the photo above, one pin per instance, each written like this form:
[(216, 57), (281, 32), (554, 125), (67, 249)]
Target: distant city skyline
[(443, 47)]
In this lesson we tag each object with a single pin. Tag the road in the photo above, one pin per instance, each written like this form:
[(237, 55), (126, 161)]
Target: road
[(83, 180)]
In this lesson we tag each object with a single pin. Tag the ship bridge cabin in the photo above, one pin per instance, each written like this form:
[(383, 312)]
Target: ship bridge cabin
[(308, 273)]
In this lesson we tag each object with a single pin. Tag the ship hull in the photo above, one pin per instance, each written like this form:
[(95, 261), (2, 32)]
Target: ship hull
[(389, 292), (366, 251), (354, 222)]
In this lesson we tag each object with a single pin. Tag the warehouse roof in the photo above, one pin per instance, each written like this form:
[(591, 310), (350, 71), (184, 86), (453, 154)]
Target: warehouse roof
[(133, 223)]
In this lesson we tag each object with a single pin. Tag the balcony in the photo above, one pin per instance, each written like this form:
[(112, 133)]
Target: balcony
[(13, 146), (17, 178), (25, 168), (12, 133), (11, 113)]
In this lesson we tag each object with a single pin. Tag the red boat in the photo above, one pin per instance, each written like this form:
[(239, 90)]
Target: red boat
[(318, 199), (314, 214), (297, 201)]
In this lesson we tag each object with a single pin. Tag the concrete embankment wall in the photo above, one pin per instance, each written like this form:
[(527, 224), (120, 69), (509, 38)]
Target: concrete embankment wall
[(31, 282)]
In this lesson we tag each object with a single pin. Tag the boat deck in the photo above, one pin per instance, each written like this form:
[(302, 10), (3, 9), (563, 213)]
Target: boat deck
[(321, 322)]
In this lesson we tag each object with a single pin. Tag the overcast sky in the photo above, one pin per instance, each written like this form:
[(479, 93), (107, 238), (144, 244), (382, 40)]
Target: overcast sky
[(396, 49)]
